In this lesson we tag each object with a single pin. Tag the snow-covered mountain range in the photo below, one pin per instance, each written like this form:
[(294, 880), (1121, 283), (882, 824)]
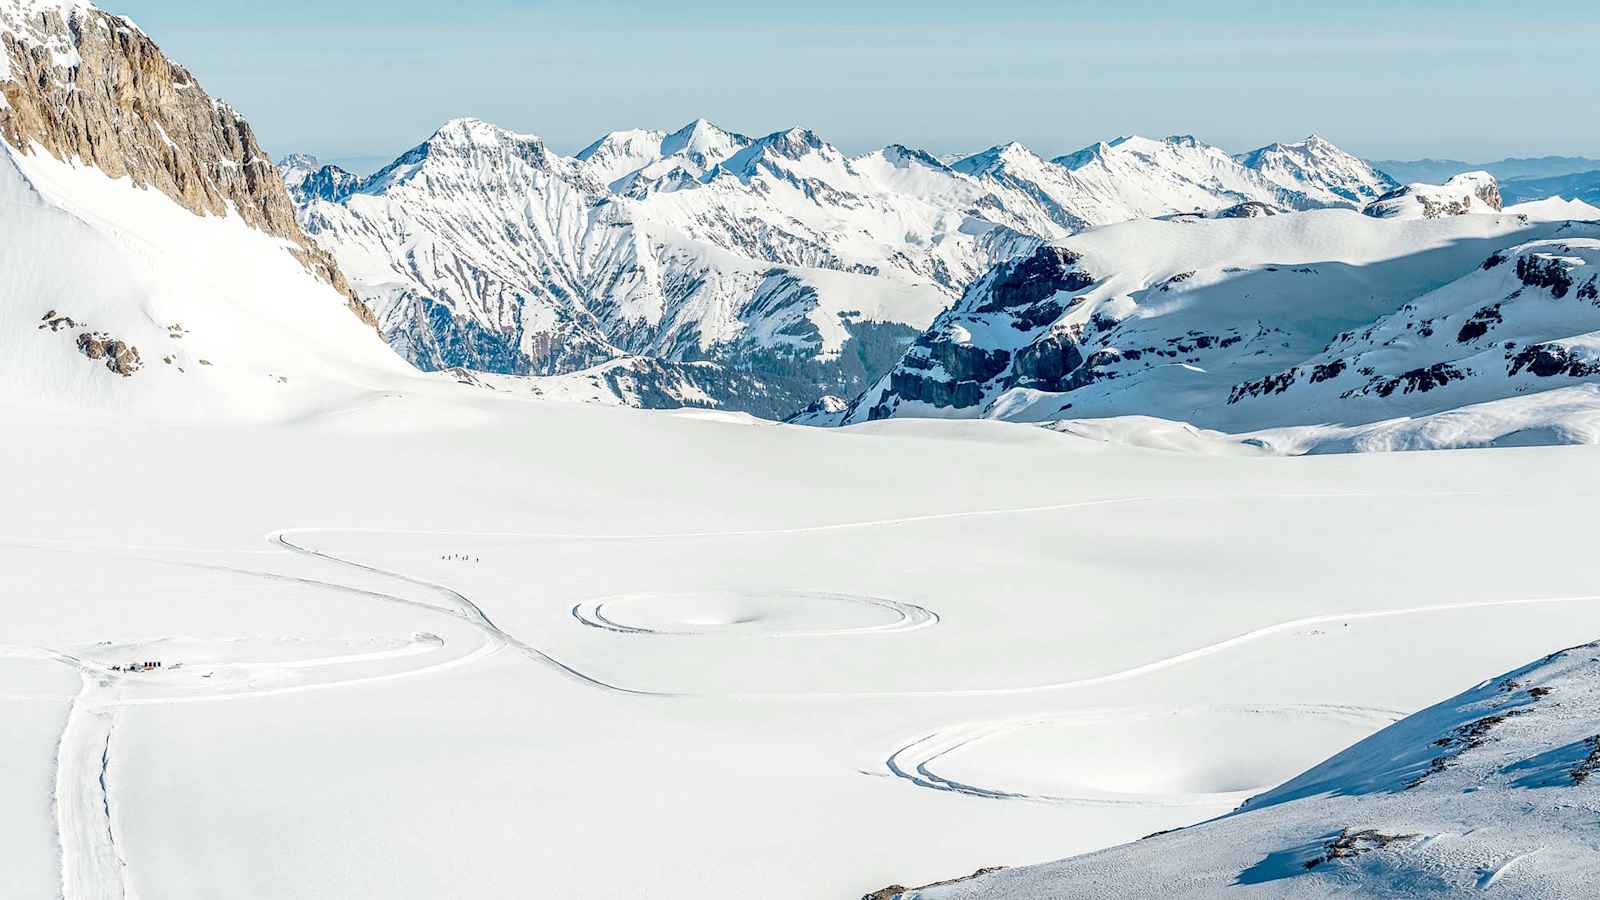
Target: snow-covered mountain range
[(1492, 792), (777, 256)]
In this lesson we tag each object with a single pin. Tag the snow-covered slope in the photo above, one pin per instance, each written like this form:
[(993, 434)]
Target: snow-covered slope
[(1259, 323), (1525, 320), (780, 254), (1494, 792), (105, 196)]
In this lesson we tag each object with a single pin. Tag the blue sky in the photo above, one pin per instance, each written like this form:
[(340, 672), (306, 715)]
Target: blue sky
[(1407, 78)]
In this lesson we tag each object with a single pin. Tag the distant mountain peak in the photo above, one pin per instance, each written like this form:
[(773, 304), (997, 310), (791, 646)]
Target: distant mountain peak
[(703, 143), (999, 156), (1320, 170), (900, 154), (794, 142), (468, 131)]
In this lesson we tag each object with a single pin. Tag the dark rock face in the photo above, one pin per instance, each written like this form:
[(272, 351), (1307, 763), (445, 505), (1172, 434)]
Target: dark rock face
[(1037, 315), (1545, 272), (1250, 209), (1549, 360), (1023, 282), (1046, 363), (1327, 371), (943, 372), (1419, 380), (1276, 383), (944, 369), (130, 112), (1480, 323)]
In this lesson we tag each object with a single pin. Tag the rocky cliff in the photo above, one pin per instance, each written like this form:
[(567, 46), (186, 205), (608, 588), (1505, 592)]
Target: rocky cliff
[(84, 85)]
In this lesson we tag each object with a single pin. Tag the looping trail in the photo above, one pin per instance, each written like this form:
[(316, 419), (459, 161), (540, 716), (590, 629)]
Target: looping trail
[(903, 616)]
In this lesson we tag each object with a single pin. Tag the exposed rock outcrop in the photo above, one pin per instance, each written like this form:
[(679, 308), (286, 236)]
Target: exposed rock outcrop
[(120, 356), (1249, 210), (1469, 192), (85, 85), (947, 368)]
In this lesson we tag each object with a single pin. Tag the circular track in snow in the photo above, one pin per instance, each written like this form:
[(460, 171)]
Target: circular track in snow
[(751, 614)]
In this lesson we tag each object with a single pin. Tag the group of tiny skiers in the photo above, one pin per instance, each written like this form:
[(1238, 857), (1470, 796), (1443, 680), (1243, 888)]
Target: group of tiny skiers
[(145, 666)]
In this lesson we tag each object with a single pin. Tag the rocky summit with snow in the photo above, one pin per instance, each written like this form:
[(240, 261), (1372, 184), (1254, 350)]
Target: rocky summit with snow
[(115, 167), (1468, 192), (778, 256)]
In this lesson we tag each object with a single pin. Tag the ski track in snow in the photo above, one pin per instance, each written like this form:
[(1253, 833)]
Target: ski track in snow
[(91, 864), (907, 617), (915, 761)]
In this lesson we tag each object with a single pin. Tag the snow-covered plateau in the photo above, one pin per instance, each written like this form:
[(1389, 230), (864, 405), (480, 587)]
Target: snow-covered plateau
[(286, 616)]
